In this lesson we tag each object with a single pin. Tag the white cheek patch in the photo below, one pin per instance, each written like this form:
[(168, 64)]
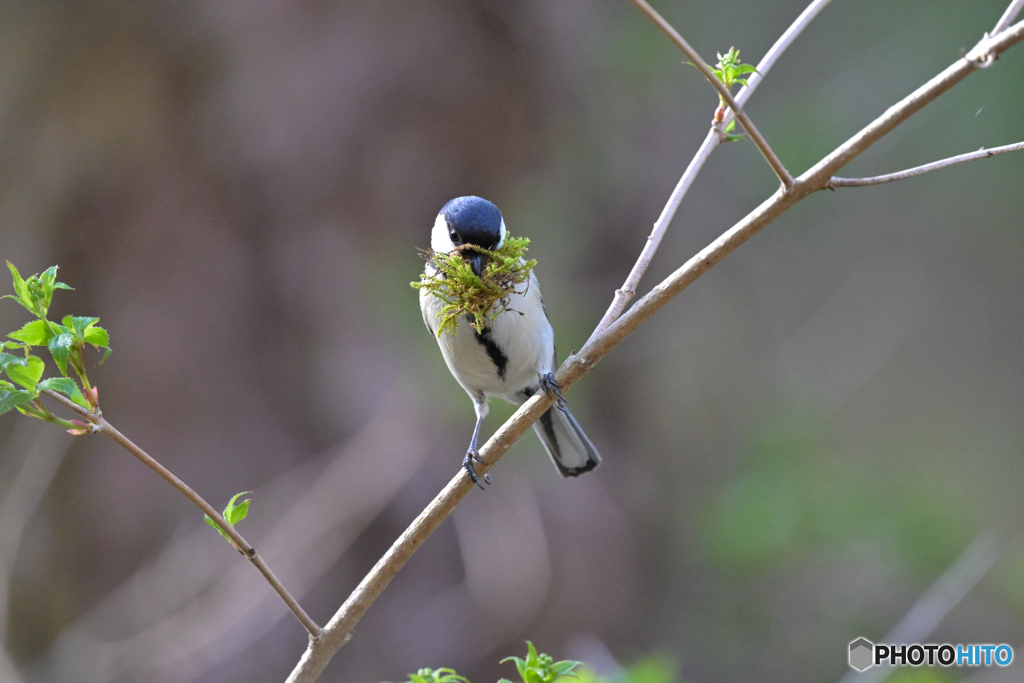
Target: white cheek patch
[(439, 239), (501, 241)]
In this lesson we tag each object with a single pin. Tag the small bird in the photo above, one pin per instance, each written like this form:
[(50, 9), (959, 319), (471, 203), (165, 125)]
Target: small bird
[(514, 356)]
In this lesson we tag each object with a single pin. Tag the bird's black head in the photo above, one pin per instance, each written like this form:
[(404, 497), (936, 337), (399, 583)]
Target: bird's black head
[(472, 220)]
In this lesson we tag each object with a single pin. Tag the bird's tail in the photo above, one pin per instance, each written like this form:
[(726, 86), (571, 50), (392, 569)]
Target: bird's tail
[(565, 442)]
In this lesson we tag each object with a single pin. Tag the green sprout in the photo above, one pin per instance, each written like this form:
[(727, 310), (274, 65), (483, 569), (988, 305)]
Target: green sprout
[(65, 341), (441, 675), (540, 668), (233, 514), (464, 293), (730, 70)]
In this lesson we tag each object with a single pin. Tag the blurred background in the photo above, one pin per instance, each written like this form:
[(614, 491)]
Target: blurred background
[(794, 450)]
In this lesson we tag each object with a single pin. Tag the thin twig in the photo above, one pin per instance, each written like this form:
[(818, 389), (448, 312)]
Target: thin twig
[(625, 294), (748, 125), (814, 179), (102, 426), (939, 600), (982, 153), (223, 611), (1008, 16), (776, 50), (339, 629)]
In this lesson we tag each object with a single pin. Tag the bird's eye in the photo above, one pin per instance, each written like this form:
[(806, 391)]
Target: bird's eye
[(454, 235)]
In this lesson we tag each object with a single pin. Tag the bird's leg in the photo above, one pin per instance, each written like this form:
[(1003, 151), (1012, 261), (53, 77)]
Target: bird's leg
[(551, 388), (472, 453)]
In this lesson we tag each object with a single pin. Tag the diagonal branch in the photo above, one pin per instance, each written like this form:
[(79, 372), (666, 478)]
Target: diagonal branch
[(100, 425), (939, 600), (1009, 15), (625, 294), (982, 153), (748, 125), (339, 629), (816, 178)]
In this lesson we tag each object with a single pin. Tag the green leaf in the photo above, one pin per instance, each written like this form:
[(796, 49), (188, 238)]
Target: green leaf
[(79, 325), (441, 675), (97, 336), (232, 514), (522, 665), (35, 333), (729, 135), (66, 386), (49, 280), (564, 667), (36, 292), (13, 399), (61, 347), (209, 520), (236, 513), (27, 374), (542, 668), (6, 359), (21, 289), (19, 282)]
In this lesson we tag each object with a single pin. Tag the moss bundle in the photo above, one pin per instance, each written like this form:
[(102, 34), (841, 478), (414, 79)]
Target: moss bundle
[(481, 298)]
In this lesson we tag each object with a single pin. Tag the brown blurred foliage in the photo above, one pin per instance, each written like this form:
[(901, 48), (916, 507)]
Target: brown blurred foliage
[(793, 451)]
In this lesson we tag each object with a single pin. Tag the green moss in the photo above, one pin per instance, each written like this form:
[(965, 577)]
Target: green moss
[(481, 298)]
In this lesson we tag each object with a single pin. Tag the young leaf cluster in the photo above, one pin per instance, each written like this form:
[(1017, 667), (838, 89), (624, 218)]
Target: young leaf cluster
[(233, 514), (540, 668), (730, 70), (441, 675), (535, 668), (464, 294), (65, 342)]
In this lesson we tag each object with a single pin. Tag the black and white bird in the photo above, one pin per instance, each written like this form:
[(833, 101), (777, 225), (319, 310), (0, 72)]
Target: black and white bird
[(514, 357)]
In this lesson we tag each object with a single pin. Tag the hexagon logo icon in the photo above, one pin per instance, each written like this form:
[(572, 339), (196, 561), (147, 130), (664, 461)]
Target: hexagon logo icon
[(861, 654)]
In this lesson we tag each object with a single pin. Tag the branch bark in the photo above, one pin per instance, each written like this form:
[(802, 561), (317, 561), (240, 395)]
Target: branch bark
[(714, 138), (947, 592), (101, 426), (1009, 15), (982, 153), (780, 170), (339, 629)]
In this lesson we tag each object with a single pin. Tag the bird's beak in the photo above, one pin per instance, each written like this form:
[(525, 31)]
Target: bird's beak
[(476, 262)]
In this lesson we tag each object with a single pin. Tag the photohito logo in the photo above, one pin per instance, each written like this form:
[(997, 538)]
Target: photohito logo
[(864, 654)]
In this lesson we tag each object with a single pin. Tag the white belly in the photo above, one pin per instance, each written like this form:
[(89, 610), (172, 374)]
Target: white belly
[(522, 335)]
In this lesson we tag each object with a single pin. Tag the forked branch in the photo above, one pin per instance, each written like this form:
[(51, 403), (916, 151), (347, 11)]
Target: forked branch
[(339, 629), (748, 125), (625, 294)]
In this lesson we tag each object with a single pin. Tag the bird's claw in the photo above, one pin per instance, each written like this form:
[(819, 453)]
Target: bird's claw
[(467, 464), (551, 388)]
